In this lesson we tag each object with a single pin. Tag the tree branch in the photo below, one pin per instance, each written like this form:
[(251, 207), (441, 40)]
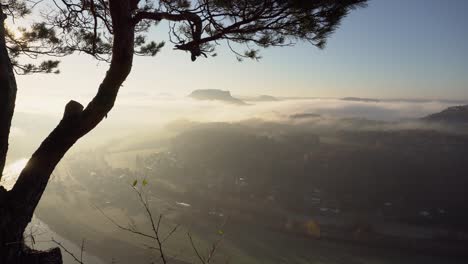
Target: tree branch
[(7, 93), (76, 122)]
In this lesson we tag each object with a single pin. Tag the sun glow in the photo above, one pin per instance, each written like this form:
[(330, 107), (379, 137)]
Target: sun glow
[(16, 167), (11, 173)]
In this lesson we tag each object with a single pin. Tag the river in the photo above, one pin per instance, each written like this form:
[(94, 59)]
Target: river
[(38, 234)]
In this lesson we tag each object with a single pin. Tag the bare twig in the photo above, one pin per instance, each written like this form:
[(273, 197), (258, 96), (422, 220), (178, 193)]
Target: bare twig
[(155, 227), (202, 260), (79, 260), (82, 250)]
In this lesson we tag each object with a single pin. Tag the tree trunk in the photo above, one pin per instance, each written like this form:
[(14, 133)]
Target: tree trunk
[(10, 235), (17, 206), (7, 94), (12, 248)]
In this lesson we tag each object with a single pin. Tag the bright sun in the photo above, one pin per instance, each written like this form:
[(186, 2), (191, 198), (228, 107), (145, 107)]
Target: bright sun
[(16, 167), (11, 173)]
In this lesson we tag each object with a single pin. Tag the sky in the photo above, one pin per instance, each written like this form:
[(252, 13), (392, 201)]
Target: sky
[(391, 49)]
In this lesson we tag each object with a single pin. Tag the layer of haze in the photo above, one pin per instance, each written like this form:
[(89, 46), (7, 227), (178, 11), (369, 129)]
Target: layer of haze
[(391, 49), (137, 113), (422, 54)]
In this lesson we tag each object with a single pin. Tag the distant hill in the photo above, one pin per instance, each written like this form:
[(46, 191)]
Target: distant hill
[(357, 99), (216, 95), (454, 114), (267, 98), (304, 116), (261, 98)]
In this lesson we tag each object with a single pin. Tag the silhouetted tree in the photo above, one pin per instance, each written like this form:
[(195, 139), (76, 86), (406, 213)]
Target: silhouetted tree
[(114, 31)]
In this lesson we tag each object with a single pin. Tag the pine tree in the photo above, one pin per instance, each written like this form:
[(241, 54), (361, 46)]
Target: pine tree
[(114, 31)]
